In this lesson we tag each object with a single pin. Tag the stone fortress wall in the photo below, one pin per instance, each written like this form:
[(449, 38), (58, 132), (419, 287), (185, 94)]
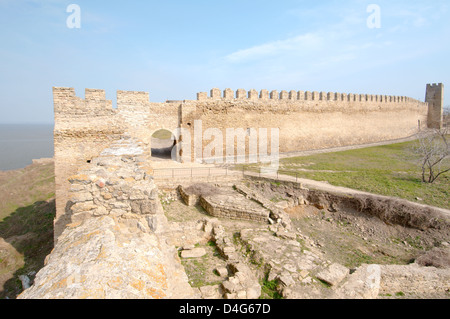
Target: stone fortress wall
[(306, 121), (309, 120), (112, 239)]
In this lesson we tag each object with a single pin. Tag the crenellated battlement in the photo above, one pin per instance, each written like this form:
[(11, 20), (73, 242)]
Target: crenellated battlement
[(435, 85), (264, 95), (95, 95), (134, 98), (66, 101)]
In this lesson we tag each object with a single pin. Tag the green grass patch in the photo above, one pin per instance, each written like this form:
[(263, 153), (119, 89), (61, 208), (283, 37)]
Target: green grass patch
[(196, 271), (390, 170), (27, 212), (211, 243), (358, 258), (323, 283), (162, 135), (269, 290), (415, 242)]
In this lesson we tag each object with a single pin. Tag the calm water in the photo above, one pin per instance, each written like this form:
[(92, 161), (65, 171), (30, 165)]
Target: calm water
[(21, 143)]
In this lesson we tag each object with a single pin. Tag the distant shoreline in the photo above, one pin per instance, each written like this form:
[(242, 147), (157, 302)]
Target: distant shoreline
[(45, 160), (38, 161)]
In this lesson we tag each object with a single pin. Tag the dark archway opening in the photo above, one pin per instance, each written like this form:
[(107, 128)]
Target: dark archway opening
[(163, 141)]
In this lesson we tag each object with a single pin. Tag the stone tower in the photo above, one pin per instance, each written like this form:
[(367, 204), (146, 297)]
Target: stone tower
[(435, 99)]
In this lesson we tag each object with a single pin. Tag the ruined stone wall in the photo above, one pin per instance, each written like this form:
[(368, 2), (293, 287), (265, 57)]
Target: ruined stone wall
[(413, 279), (393, 211), (85, 127), (142, 117), (189, 199), (308, 120), (234, 207), (115, 245)]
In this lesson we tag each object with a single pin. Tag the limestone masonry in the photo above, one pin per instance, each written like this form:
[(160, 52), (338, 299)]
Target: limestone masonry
[(113, 240), (114, 246), (435, 99), (306, 120)]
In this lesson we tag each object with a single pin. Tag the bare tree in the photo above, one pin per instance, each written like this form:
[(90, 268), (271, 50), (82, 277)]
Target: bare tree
[(433, 149)]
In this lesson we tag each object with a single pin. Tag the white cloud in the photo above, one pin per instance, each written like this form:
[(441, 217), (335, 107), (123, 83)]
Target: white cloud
[(298, 44), (331, 51), (413, 17)]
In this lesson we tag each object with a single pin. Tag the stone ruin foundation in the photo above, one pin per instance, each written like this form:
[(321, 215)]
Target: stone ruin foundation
[(295, 264)]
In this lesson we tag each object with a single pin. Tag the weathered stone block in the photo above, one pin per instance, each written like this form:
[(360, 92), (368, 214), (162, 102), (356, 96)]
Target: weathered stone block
[(253, 94), (80, 197), (301, 96), (193, 253), (215, 93), (284, 95), (118, 212), (210, 292), (241, 295), (201, 96), (143, 207), (101, 211), (286, 235), (334, 274), (80, 217), (241, 94), (230, 286), (308, 96), (83, 207), (274, 95), (286, 279), (264, 95), (293, 95), (228, 94), (254, 292), (80, 179), (222, 271)]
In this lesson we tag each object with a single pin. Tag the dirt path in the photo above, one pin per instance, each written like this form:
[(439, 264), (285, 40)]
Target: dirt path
[(346, 148)]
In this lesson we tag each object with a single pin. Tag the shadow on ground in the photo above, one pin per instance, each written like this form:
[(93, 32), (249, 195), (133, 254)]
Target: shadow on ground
[(26, 238), (162, 153)]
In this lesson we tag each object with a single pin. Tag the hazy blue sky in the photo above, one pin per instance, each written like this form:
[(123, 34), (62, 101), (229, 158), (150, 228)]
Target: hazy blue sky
[(174, 49)]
